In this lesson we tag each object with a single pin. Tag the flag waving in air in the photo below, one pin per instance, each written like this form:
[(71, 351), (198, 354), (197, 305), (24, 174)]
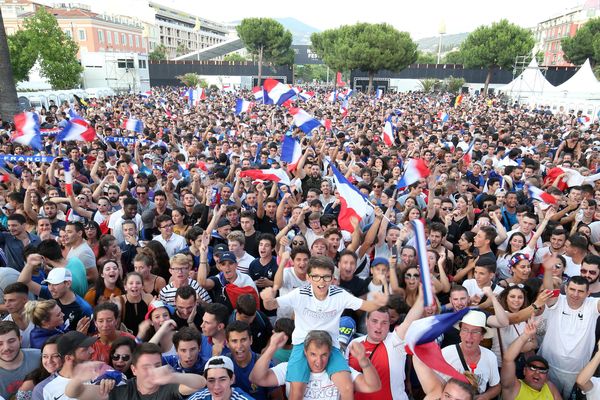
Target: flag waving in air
[(304, 120), (27, 130), (291, 152), (538, 194), (77, 130), (274, 175), (242, 106), (468, 156), (132, 124), (419, 230), (352, 202), (68, 177), (277, 92), (388, 132), (416, 169)]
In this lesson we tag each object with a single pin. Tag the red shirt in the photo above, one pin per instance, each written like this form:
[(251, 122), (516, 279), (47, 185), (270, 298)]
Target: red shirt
[(380, 361)]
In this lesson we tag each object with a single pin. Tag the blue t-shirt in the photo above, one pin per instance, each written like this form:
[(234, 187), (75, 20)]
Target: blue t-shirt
[(236, 394), (207, 347), (73, 312), (173, 361), (242, 379)]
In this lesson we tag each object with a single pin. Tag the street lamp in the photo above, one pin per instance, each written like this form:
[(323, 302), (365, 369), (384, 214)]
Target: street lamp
[(441, 31)]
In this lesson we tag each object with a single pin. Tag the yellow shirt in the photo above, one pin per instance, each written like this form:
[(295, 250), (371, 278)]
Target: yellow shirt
[(526, 392)]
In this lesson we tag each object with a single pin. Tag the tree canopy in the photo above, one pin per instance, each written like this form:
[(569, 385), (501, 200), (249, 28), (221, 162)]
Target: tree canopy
[(368, 47), (268, 40), (425, 57), (41, 39), (496, 46), (234, 57), (585, 44)]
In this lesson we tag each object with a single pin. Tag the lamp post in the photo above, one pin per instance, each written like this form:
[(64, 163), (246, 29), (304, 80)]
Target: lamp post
[(441, 31)]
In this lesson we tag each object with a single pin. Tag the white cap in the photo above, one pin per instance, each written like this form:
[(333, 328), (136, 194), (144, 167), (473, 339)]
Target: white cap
[(219, 362), (58, 276)]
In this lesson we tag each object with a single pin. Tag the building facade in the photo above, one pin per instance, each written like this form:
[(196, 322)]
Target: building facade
[(549, 33)]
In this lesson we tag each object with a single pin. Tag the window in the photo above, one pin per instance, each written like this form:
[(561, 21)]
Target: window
[(81, 34), (68, 33), (101, 36), (130, 41), (142, 64), (137, 41), (109, 37), (125, 63), (123, 39)]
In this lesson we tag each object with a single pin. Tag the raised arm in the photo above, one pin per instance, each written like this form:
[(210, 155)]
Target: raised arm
[(203, 266), (33, 260), (260, 195), (368, 381), (261, 374), (508, 376), (278, 278), (538, 233), (585, 375), (371, 233)]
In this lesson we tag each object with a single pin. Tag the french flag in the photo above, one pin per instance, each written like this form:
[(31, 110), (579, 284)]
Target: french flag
[(443, 116), (379, 94), (538, 194), (306, 96), (68, 177), (304, 120), (27, 130), (146, 94), (277, 92), (421, 336), (77, 130), (352, 202), (258, 94), (242, 106), (195, 95), (132, 124), (468, 156), (388, 132), (272, 174), (344, 108), (421, 242), (416, 169), (291, 152)]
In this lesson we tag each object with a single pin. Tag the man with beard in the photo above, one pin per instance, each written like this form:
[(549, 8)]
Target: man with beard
[(557, 247), (74, 348), (590, 270), (15, 363)]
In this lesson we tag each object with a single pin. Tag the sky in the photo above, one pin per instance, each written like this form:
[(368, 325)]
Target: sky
[(421, 18)]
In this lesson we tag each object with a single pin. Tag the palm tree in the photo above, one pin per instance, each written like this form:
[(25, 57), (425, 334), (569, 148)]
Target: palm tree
[(9, 104)]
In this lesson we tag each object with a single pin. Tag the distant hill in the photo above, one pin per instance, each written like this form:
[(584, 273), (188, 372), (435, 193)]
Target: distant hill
[(300, 31), (430, 44)]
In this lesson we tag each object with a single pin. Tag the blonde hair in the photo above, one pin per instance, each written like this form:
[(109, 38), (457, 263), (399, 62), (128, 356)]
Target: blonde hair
[(180, 259), (38, 311), (237, 236)]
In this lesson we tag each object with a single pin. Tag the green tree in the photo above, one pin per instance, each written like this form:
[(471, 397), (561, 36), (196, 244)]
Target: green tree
[(429, 85), (9, 104), (23, 55), (425, 57), (585, 44), (181, 49), (159, 53), (57, 52), (268, 40), (496, 46), (189, 79), (368, 47), (234, 57), (453, 57), (309, 72), (453, 85)]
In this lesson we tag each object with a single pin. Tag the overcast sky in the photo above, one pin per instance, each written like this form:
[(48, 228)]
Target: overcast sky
[(420, 18)]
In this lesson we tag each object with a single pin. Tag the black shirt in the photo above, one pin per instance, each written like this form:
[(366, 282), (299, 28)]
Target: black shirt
[(266, 225), (129, 391), (183, 322), (251, 244)]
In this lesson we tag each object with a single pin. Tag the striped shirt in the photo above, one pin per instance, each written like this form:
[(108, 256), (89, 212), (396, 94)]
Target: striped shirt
[(167, 294), (236, 394)]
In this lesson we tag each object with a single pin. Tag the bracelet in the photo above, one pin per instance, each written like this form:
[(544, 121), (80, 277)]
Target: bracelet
[(535, 308)]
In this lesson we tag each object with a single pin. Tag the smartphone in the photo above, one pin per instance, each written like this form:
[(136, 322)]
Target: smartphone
[(59, 159), (555, 292)]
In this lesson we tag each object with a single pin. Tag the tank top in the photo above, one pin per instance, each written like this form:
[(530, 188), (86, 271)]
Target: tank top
[(528, 393), (134, 314)]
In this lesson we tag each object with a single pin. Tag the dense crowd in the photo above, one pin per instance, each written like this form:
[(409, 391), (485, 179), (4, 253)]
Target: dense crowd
[(167, 272)]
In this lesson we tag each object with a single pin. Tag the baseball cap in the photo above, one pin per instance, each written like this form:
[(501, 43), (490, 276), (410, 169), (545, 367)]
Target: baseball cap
[(58, 276), (155, 305), (219, 362), (347, 330), (537, 358), (227, 256), (71, 341), (380, 260), (223, 222), (220, 248)]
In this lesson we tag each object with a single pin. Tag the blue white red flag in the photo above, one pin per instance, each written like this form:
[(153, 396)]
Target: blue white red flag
[(27, 130), (278, 92), (77, 130), (304, 120), (416, 169), (352, 202), (132, 124), (291, 152)]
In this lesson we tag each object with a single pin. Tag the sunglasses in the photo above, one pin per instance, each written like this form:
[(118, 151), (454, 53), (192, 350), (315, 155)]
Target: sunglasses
[(534, 368), (412, 276), (117, 357), (587, 271), (377, 186), (297, 243), (447, 208)]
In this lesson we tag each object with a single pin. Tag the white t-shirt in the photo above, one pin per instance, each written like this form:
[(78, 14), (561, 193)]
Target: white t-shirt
[(55, 389), (594, 393), (312, 313), (319, 385), (115, 224), (473, 289), (541, 253), (504, 244), (311, 236), (570, 337), (383, 250), (85, 253), (487, 367), (571, 269), (290, 282), (243, 263)]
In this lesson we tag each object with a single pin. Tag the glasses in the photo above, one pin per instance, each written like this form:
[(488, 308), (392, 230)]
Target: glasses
[(519, 285), (468, 332), (297, 243), (377, 186), (447, 208), (180, 270), (90, 228), (141, 193), (166, 226), (535, 368), (325, 278), (558, 266), (412, 276), (587, 271), (117, 357)]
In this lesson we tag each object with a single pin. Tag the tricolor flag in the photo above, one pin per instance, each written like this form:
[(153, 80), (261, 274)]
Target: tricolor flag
[(352, 202), (274, 175), (458, 100), (379, 93), (306, 96), (195, 95), (68, 177), (27, 130), (258, 94), (538, 194), (344, 108), (421, 242), (584, 119), (420, 338), (346, 93), (388, 132), (146, 94), (77, 130), (291, 152), (304, 120), (443, 116), (332, 96), (132, 124), (468, 156), (416, 169), (277, 92), (242, 106)]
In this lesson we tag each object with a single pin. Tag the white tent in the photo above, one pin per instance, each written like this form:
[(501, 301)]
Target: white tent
[(582, 85), (530, 83)]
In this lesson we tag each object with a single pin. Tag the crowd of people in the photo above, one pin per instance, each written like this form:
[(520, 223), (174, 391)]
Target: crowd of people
[(167, 272)]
